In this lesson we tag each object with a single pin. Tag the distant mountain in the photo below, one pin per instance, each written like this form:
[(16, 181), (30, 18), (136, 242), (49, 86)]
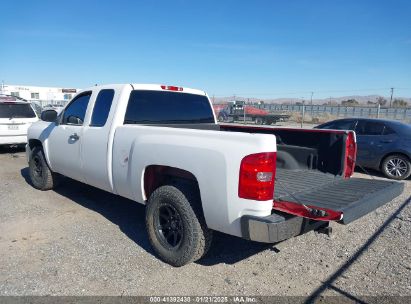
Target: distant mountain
[(333, 100)]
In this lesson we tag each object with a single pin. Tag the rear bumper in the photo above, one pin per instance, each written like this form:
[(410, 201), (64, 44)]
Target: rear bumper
[(13, 140), (276, 227)]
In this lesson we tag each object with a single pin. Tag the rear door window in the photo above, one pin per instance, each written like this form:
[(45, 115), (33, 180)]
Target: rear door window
[(369, 128), (388, 130), (102, 108), (340, 125), (16, 110), (159, 107)]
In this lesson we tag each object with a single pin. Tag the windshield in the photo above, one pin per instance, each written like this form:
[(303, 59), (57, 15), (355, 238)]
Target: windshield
[(16, 110), (158, 107)]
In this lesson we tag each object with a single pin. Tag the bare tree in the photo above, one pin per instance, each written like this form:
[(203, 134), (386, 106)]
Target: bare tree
[(350, 102), (381, 101), (399, 103)]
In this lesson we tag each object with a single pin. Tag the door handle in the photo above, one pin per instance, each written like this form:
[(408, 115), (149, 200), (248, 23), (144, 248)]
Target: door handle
[(386, 141), (74, 136)]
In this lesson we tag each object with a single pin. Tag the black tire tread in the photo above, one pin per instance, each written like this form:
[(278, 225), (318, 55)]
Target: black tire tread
[(189, 204), (49, 180)]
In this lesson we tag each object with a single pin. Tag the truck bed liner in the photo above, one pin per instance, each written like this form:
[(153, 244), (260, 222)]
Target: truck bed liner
[(353, 197)]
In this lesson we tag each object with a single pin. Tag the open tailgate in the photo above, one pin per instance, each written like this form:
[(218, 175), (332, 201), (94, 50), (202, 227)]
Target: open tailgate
[(326, 197)]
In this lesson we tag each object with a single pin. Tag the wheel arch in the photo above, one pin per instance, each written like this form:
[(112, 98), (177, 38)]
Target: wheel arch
[(32, 143), (393, 153), (159, 175)]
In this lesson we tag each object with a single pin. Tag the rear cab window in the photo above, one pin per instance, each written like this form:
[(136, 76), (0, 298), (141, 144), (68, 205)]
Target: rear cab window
[(159, 107), (16, 110)]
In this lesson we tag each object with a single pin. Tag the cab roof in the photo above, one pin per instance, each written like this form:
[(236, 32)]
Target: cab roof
[(152, 87)]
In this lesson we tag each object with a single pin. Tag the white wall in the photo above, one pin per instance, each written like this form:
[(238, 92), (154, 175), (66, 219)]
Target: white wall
[(44, 93)]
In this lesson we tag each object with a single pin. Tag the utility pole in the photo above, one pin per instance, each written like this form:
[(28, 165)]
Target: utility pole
[(312, 93), (303, 112), (392, 93)]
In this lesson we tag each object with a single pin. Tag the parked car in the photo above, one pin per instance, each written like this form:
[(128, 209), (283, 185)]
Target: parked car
[(16, 116), (37, 108), (162, 147), (383, 145)]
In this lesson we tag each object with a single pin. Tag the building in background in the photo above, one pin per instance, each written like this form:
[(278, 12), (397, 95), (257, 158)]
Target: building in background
[(42, 95)]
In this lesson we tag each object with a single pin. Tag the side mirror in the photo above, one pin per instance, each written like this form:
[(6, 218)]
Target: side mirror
[(49, 115), (74, 120)]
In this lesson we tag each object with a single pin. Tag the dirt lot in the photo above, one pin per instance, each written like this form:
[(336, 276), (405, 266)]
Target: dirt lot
[(78, 240)]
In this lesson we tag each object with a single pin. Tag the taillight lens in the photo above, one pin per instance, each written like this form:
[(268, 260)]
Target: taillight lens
[(257, 174), (171, 88), (350, 155)]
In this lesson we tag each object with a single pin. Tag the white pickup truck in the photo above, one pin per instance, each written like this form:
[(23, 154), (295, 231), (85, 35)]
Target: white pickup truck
[(161, 146)]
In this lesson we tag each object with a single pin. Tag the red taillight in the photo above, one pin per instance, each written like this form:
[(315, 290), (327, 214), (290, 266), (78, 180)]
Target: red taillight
[(171, 88), (350, 155), (257, 174)]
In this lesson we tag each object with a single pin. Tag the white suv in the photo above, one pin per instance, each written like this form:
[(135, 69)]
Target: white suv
[(16, 116)]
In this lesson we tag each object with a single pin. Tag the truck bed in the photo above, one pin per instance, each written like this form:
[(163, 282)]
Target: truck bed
[(352, 197), (310, 175)]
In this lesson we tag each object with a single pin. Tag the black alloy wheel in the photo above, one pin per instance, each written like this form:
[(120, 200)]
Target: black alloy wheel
[(169, 226)]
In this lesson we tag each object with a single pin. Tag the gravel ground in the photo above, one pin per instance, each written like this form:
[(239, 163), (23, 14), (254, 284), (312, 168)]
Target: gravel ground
[(78, 240)]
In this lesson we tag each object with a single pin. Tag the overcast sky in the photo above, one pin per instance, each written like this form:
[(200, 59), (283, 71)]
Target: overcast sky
[(250, 48)]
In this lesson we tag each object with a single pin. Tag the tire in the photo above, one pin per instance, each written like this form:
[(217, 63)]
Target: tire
[(259, 121), (396, 166), (269, 122), (175, 224), (41, 176), (221, 118)]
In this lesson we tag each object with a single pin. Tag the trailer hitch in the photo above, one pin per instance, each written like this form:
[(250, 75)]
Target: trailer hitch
[(325, 230)]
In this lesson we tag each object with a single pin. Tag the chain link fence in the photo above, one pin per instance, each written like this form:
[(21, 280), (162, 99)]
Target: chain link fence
[(310, 114), (319, 113)]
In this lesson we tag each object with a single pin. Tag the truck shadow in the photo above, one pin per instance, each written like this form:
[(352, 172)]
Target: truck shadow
[(229, 249), (329, 283), (129, 216), (12, 149), (126, 214)]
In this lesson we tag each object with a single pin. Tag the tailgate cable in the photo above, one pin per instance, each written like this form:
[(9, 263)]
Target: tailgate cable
[(315, 212), (363, 169)]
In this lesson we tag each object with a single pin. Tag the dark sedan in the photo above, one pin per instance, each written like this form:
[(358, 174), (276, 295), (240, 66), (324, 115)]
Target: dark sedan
[(383, 145)]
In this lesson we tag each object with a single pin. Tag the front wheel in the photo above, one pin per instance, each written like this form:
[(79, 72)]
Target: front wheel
[(41, 176), (259, 121), (176, 226), (396, 167)]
